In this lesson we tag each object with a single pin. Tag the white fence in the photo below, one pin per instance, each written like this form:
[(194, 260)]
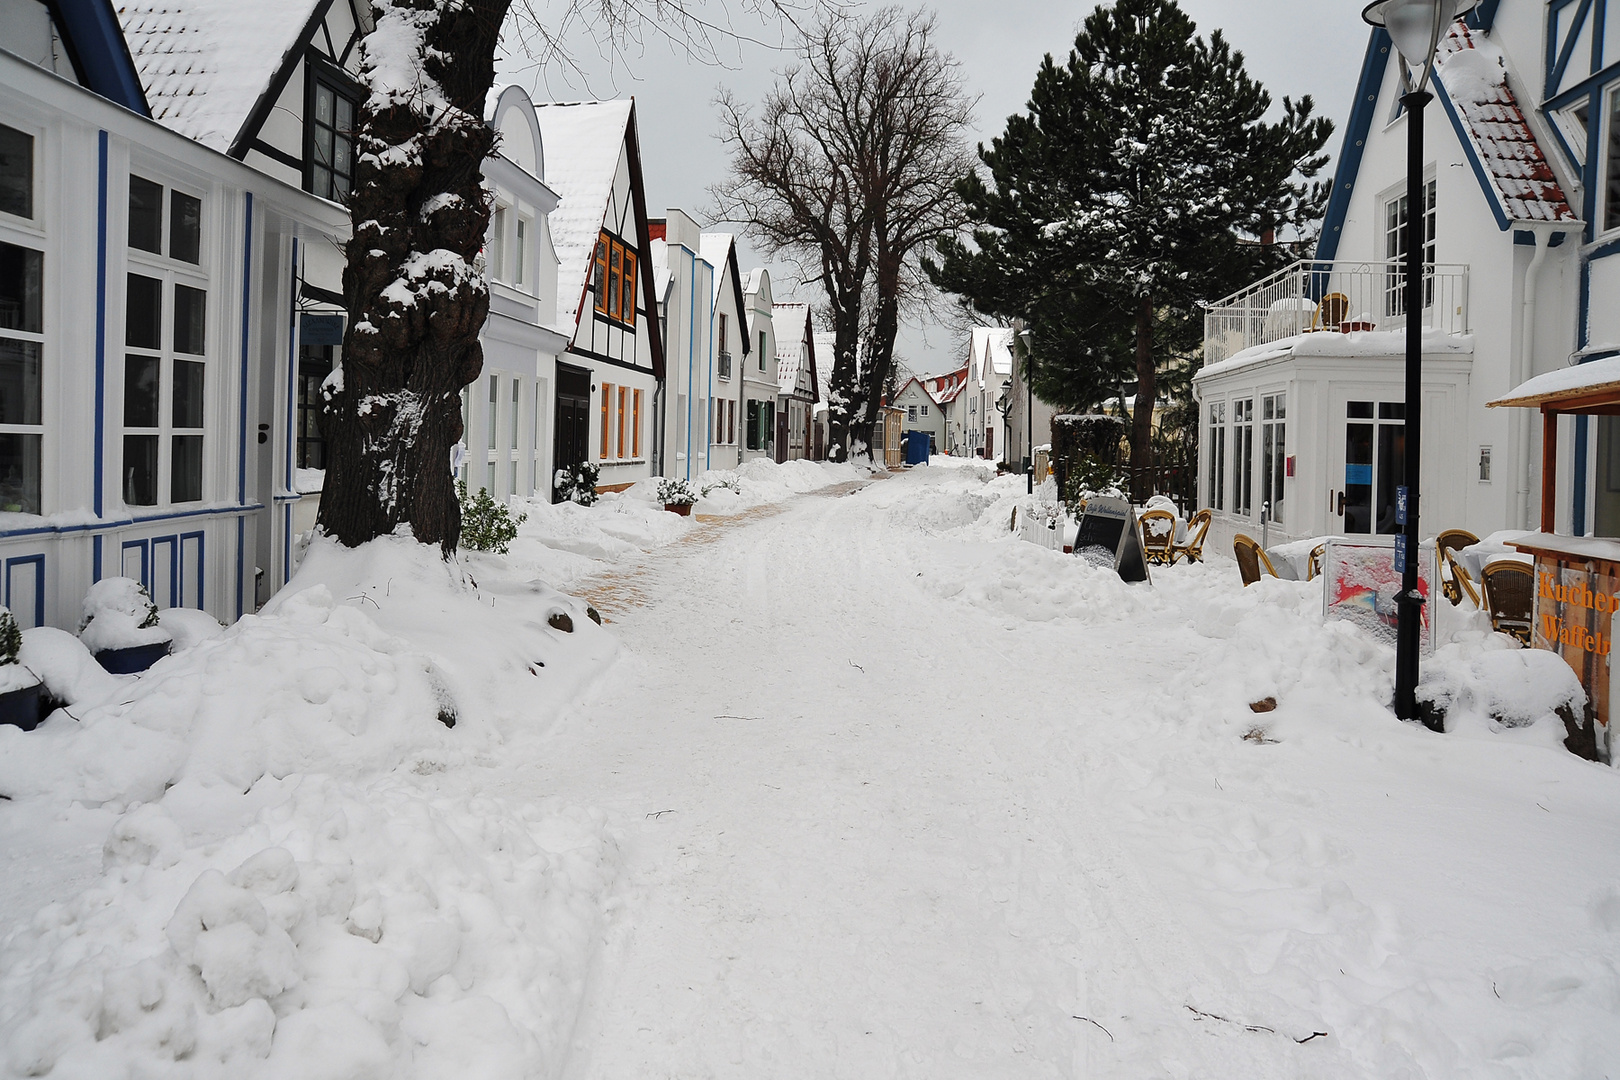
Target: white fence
[(1332, 295)]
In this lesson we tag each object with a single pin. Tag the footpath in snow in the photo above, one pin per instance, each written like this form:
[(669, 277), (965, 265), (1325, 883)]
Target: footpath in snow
[(862, 787)]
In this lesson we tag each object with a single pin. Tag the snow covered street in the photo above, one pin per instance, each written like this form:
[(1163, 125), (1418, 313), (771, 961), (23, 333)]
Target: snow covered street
[(852, 783)]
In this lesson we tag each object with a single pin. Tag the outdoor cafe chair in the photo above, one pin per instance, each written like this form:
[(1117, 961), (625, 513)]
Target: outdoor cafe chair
[(1331, 312), (1460, 580), (1158, 536), (1251, 559), (1509, 596), (1192, 549), (1313, 568), (1444, 544)]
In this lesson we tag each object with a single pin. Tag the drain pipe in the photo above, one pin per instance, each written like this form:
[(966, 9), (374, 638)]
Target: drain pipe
[(1541, 234)]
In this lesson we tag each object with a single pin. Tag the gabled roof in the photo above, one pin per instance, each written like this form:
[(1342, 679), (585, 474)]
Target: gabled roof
[(719, 250), (205, 64), (993, 343), (1472, 74), (945, 389), (95, 46), (790, 346)]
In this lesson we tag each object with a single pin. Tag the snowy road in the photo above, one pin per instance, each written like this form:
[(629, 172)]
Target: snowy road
[(898, 803)]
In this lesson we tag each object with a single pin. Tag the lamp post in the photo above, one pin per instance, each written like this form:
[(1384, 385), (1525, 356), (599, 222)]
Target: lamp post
[(1416, 27), (1004, 407), (1029, 412)]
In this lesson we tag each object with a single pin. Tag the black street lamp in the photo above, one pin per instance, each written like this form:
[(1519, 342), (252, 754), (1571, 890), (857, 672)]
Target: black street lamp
[(1029, 411), (1416, 27)]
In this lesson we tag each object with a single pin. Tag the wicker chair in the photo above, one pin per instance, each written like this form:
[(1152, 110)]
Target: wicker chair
[(1158, 536), (1331, 311), (1251, 559), (1447, 542), (1313, 569), (1456, 578), (1510, 588), (1193, 548)]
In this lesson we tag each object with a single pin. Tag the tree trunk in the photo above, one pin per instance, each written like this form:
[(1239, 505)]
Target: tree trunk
[(416, 300), (1142, 415), (844, 390), (880, 355)]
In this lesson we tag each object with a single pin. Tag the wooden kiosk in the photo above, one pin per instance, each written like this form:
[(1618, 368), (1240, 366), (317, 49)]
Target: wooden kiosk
[(1577, 591)]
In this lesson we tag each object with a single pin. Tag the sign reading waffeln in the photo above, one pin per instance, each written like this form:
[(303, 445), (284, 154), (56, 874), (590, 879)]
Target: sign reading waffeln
[(1574, 607)]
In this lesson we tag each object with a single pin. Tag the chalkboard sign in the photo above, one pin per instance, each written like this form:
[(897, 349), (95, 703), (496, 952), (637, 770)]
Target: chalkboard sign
[(1107, 534)]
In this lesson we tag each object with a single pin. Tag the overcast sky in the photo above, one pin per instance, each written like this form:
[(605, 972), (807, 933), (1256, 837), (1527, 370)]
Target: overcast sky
[(1293, 48)]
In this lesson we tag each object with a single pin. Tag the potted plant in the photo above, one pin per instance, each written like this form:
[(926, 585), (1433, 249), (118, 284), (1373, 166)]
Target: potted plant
[(19, 687), (120, 626), (677, 495), (577, 483)]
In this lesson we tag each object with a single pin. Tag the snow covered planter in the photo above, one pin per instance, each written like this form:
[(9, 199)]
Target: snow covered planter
[(677, 495), (19, 687), (577, 483), (121, 628)]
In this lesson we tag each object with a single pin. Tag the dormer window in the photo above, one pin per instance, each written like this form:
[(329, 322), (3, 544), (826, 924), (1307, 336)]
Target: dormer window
[(615, 287), (329, 128)]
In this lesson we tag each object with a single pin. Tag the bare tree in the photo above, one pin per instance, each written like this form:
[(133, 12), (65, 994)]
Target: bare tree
[(415, 297), (850, 166)]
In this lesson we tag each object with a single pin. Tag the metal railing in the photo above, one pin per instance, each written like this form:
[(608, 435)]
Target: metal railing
[(1314, 295)]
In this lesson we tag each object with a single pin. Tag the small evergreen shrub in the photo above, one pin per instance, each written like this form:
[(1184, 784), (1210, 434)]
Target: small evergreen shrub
[(578, 483), (486, 525), (10, 637), (675, 491)]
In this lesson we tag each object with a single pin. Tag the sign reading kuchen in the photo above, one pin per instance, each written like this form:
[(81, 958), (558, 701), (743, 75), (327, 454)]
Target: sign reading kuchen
[(1107, 535)]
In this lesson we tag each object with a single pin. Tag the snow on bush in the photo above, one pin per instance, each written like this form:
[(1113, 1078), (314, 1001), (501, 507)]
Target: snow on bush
[(486, 525), (677, 491), (119, 614), (13, 675)]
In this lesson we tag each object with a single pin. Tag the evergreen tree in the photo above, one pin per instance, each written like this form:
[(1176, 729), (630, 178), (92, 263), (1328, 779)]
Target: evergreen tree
[(1137, 183)]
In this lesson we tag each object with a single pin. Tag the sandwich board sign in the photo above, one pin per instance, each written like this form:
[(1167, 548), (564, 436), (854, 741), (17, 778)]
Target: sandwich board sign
[(1107, 535)]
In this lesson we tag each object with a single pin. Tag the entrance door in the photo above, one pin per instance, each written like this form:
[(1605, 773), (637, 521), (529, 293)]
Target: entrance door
[(1374, 465), (572, 445)]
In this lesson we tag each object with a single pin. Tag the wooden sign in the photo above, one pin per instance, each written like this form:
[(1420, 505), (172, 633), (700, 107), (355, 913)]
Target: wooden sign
[(1107, 534), (1576, 604)]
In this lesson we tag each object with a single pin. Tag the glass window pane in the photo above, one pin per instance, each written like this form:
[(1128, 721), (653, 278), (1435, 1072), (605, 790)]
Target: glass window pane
[(188, 394), (1391, 410), (323, 104), (19, 473), (322, 144), (19, 382), (345, 115), (145, 215), (190, 320), (140, 470), (1391, 472), (522, 250), (185, 469), (16, 172), (143, 312), (21, 271), (340, 188), (494, 405), (614, 280), (141, 391), (1358, 478), (185, 227), (321, 182), (343, 156), (516, 387), (1359, 410)]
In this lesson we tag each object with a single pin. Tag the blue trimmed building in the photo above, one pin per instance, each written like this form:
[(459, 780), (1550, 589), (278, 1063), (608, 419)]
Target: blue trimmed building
[(1522, 213)]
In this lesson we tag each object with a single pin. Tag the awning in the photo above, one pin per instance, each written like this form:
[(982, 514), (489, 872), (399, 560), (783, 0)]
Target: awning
[(1585, 388)]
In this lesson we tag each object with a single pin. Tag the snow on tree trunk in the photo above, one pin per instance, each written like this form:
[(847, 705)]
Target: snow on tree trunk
[(415, 297)]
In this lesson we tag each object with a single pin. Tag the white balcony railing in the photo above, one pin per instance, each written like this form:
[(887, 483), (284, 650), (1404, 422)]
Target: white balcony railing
[(1332, 295)]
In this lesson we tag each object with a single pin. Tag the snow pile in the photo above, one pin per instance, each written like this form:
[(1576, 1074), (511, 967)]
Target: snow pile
[(119, 614), (283, 861), (761, 481), (565, 542)]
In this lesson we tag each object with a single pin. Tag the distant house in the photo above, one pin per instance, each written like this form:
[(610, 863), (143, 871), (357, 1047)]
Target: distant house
[(609, 378), (797, 383), (921, 412), (732, 350), (990, 375), (947, 392), (759, 387)]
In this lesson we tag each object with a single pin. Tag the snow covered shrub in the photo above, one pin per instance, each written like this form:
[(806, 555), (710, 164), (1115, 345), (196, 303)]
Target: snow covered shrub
[(486, 525), (10, 637), (731, 483), (676, 491), (119, 614), (578, 483)]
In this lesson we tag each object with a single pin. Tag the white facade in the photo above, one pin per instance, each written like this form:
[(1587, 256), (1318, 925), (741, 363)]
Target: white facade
[(990, 364), (758, 410), (922, 413), (684, 282), (797, 382)]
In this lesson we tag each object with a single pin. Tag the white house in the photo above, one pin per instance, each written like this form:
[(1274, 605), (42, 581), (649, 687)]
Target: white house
[(1522, 220), (154, 290), (731, 349), (759, 386), (922, 412), (949, 393), (798, 385), (507, 411), (610, 376), (990, 372)]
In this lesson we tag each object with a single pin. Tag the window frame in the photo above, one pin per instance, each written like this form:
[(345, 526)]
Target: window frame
[(38, 339), (318, 71), (615, 280), (36, 156), (1394, 305)]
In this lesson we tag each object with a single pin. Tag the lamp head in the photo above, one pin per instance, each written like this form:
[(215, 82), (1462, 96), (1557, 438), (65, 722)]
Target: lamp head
[(1416, 27)]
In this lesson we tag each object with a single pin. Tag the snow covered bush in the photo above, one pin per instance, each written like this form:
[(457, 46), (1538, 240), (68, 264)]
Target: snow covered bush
[(728, 482), (10, 637), (486, 525), (119, 614), (677, 491), (577, 483)]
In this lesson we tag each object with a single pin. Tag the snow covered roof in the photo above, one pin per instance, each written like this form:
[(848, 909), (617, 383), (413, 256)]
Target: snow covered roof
[(995, 344), (583, 140), (658, 255), (1582, 380), (205, 63), (945, 389), (1473, 74), (716, 249), (1383, 343), (791, 356)]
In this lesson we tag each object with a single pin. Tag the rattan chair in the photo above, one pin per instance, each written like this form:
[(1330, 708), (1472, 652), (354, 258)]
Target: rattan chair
[(1158, 536), (1252, 560), (1447, 542), (1456, 578), (1192, 549), (1510, 588), (1331, 311), (1313, 568)]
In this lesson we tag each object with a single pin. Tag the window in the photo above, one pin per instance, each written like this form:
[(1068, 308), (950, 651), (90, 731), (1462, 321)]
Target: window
[(492, 421), (731, 422), (314, 365), (1611, 168), (1374, 465), (165, 383), (925, 410), (522, 252), (618, 421), (607, 430), (16, 172), (1273, 452), (1572, 126), (635, 423), (1395, 211), (911, 414), (762, 350), (724, 356), (517, 407), (146, 233), (1217, 455), (22, 343), (329, 138), (495, 250), (1243, 457), (615, 279)]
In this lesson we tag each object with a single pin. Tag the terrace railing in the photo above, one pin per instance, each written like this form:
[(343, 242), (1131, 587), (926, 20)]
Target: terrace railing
[(1337, 295)]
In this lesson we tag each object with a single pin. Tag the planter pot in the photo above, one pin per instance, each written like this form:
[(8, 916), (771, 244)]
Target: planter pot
[(683, 509), (133, 660), (21, 707)]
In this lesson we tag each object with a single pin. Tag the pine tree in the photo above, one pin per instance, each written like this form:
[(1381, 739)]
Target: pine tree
[(1136, 184)]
